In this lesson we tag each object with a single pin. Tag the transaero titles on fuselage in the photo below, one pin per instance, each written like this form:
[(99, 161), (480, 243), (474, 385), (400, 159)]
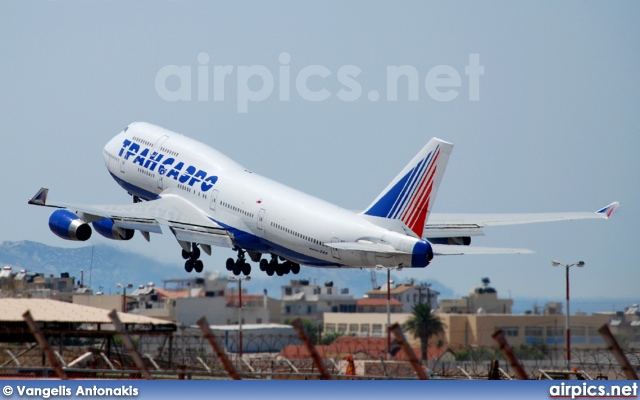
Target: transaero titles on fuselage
[(190, 176)]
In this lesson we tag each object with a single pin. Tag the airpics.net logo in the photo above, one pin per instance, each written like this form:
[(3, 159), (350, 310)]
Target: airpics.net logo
[(588, 390), (314, 83)]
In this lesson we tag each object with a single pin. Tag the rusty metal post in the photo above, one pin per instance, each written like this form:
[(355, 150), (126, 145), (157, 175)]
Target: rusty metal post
[(44, 345), (126, 339), (498, 336), (204, 327), (317, 360), (615, 348), (415, 363)]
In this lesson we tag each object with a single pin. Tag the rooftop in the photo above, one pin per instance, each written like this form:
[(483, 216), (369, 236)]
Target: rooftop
[(45, 310)]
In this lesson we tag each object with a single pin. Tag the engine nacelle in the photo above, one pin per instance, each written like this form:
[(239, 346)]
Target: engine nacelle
[(422, 254), (458, 241), (108, 229), (69, 226)]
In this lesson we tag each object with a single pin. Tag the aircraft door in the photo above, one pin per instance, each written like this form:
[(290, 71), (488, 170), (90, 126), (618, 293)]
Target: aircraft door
[(154, 149), (334, 252), (214, 199), (122, 161), (159, 143), (261, 219)]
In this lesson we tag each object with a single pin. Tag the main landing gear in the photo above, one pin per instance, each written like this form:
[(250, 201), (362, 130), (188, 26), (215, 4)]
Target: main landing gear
[(271, 267), (192, 257), (240, 266)]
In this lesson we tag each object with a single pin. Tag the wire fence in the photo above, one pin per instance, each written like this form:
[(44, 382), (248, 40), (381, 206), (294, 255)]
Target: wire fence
[(187, 354)]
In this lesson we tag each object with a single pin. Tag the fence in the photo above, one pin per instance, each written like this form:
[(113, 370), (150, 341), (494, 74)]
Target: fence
[(187, 354)]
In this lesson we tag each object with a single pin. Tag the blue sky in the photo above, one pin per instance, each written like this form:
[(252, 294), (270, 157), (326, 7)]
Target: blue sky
[(554, 127)]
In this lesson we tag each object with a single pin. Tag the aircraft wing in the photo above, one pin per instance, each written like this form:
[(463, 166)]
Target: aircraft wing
[(456, 250), (450, 225), (186, 222)]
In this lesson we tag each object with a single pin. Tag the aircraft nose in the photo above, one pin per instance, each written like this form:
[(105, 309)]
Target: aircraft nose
[(111, 149)]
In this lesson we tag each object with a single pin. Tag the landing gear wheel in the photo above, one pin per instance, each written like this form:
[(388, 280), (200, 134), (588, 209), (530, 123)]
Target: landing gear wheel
[(246, 269), (295, 268), (264, 264), (195, 254), (237, 268), (270, 270), (198, 266), (286, 267), (188, 266), (186, 254), (230, 264), (279, 270)]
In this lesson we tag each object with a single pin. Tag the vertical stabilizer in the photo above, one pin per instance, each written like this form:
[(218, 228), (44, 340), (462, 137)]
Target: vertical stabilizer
[(410, 196)]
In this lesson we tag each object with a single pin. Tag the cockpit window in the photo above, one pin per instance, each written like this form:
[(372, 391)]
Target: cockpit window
[(125, 129)]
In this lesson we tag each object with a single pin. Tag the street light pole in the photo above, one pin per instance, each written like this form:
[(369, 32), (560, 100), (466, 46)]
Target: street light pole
[(124, 294), (388, 313), (567, 322), (246, 278), (240, 317)]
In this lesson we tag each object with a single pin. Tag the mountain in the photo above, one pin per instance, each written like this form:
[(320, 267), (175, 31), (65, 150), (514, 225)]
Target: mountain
[(106, 265), (103, 265)]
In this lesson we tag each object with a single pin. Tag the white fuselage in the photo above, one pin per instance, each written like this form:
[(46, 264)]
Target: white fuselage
[(262, 215)]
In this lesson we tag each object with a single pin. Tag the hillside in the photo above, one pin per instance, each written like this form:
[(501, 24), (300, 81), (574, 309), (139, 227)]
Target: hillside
[(105, 265)]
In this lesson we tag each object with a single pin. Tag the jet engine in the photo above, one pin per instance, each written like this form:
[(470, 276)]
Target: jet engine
[(69, 226), (108, 229)]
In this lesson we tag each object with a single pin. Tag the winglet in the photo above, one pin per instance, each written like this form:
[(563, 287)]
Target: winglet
[(40, 198), (608, 210)]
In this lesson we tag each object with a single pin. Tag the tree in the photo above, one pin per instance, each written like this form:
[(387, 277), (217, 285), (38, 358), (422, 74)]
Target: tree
[(311, 328), (423, 324)]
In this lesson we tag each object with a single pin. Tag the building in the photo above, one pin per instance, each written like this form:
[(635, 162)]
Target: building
[(625, 325), (482, 299), (408, 294), (303, 300), (37, 285), (361, 324), (184, 301), (378, 306), (474, 330), (256, 338)]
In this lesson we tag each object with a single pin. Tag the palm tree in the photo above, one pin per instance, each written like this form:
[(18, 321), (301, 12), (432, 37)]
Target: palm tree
[(423, 324)]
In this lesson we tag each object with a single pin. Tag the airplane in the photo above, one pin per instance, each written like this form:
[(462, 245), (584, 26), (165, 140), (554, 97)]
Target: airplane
[(206, 199)]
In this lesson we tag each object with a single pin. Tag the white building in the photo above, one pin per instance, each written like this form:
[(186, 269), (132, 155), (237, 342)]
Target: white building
[(184, 301), (409, 294), (303, 300)]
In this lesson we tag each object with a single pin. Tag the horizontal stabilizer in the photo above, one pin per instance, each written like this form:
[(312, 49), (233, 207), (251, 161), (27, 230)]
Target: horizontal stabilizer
[(482, 220), (454, 250)]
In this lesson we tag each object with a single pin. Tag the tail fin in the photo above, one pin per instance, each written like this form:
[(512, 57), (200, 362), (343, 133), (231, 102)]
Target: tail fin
[(410, 196)]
